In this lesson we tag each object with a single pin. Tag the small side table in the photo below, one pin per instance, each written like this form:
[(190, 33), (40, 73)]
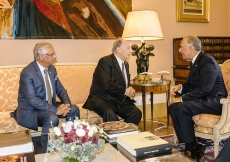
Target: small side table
[(156, 88)]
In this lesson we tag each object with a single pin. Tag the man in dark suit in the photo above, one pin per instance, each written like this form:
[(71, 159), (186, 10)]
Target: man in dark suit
[(110, 92), (37, 104), (224, 155), (200, 94)]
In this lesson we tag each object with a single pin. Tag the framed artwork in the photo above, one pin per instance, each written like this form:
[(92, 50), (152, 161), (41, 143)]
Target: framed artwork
[(63, 19), (193, 10)]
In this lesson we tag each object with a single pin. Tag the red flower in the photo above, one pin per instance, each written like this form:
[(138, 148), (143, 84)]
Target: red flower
[(94, 139), (83, 139), (72, 133), (68, 140)]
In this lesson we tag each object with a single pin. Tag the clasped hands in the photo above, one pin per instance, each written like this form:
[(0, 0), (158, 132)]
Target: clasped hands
[(130, 92), (173, 91), (63, 109)]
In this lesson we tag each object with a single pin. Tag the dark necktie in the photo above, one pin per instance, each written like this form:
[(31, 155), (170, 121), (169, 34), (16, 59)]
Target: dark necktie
[(48, 88), (123, 72)]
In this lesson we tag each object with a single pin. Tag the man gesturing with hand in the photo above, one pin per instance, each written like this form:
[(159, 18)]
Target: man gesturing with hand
[(110, 92), (200, 94)]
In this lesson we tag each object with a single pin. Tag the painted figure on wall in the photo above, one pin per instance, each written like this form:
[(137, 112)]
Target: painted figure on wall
[(69, 19), (6, 20)]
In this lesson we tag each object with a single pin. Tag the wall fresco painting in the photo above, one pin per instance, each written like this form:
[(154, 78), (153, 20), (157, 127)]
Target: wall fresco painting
[(63, 19)]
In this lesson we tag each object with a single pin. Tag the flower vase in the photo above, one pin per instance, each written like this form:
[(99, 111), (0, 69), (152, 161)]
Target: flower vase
[(75, 160), (70, 160)]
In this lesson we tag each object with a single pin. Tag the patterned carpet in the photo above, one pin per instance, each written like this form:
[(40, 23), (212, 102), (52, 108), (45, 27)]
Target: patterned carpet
[(209, 152)]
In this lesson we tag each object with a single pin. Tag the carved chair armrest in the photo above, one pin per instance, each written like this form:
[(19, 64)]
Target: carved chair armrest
[(224, 100), (224, 122)]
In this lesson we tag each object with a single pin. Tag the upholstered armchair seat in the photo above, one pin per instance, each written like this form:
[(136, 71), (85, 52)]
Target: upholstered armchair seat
[(217, 129), (205, 122)]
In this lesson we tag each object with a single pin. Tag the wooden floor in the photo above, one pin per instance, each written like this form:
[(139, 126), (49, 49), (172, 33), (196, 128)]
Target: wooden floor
[(157, 128)]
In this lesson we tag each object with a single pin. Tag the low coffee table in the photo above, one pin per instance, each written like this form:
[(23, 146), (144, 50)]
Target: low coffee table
[(176, 156), (109, 153)]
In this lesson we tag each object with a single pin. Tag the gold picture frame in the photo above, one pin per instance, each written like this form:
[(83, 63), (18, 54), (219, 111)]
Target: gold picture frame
[(193, 10)]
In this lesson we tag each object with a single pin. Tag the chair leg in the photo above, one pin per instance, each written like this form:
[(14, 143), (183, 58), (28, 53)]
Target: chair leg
[(216, 150)]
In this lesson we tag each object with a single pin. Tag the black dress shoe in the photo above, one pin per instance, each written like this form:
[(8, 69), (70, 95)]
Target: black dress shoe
[(190, 154), (199, 152)]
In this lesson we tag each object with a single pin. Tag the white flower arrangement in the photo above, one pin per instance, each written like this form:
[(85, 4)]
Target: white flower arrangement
[(76, 140)]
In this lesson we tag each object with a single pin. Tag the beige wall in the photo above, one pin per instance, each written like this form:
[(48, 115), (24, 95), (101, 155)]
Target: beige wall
[(20, 51)]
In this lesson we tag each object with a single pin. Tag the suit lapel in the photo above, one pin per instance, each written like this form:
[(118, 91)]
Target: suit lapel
[(38, 73), (117, 67), (194, 66)]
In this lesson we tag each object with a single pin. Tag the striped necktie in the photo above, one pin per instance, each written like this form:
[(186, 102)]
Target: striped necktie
[(123, 73), (48, 88)]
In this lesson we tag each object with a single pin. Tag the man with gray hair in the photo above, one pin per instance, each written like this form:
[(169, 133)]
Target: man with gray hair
[(110, 92), (200, 94), (38, 87)]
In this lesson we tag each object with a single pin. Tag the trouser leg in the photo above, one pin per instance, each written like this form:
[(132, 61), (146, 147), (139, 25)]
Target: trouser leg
[(130, 113), (224, 154), (44, 142), (182, 113), (75, 112), (107, 113), (107, 110), (45, 118)]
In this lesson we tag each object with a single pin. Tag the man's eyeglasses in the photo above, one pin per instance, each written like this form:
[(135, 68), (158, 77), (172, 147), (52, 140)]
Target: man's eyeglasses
[(51, 55)]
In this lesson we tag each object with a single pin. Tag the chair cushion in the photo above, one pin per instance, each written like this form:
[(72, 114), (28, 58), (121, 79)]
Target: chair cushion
[(8, 124), (203, 129), (206, 120), (83, 112)]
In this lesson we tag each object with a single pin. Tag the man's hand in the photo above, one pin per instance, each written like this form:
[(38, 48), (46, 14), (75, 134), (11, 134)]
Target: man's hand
[(63, 109), (175, 88), (130, 92)]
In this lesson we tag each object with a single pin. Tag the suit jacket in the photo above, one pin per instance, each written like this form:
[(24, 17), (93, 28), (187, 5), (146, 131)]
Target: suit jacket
[(205, 82), (108, 82), (32, 95)]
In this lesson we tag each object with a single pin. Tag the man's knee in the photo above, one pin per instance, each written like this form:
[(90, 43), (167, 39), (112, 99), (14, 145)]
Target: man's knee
[(54, 120), (135, 113), (185, 110), (109, 111), (171, 109), (138, 113), (174, 107), (108, 114), (49, 121), (75, 111)]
